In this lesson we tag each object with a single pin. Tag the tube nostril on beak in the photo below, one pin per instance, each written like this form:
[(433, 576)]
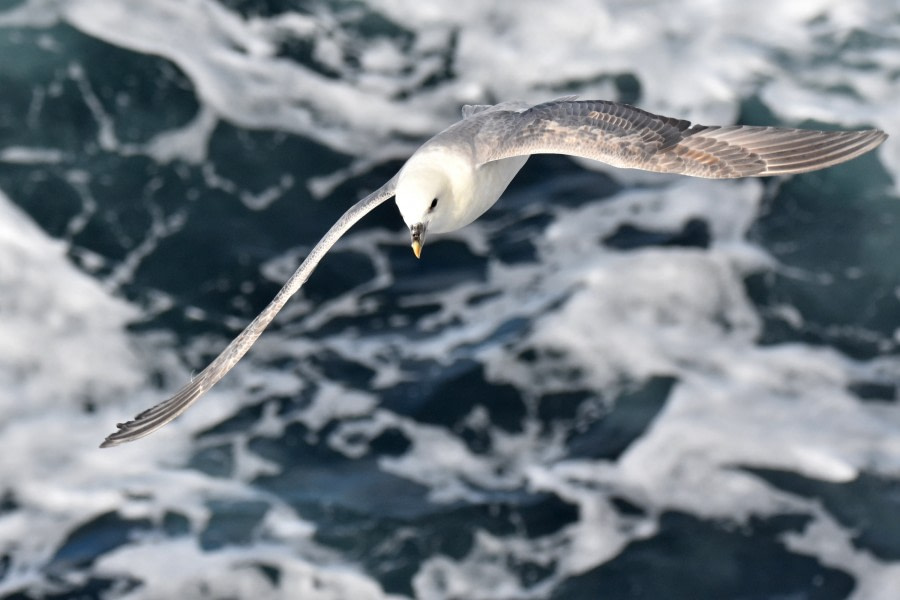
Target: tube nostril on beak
[(417, 232)]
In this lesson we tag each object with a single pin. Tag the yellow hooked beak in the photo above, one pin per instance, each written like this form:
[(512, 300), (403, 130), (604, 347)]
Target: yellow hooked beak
[(417, 232)]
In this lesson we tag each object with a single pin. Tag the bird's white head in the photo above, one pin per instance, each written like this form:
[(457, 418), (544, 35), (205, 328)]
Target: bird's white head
[(424, 196)]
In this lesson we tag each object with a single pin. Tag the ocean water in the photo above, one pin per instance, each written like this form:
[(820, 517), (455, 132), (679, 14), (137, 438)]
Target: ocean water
[(613, 385)]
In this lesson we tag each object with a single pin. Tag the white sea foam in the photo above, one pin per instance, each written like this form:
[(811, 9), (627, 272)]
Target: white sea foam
[(56, 320), (525, 50), (617, 315)]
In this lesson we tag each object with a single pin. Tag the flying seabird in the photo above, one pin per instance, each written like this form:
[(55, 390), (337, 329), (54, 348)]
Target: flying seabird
[(457, 175)]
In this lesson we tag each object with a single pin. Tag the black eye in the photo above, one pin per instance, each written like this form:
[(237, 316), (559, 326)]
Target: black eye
[(433, 204)]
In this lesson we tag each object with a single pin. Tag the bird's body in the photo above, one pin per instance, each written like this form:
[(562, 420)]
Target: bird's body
[(465, 191), (446, 167), (461, 172)]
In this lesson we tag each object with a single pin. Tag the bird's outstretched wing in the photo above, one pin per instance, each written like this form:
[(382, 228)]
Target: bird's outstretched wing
[(625, 136), (153, 418)]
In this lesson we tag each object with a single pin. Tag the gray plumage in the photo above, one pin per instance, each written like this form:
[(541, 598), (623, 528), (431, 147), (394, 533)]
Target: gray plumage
[(468, 166), (625, 136), (153, 418)]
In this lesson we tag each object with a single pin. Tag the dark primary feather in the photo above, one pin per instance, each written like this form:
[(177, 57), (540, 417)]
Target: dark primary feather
[(625, 136)]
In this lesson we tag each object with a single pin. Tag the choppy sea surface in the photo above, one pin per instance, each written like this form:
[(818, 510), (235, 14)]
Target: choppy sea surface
[(613, 385)]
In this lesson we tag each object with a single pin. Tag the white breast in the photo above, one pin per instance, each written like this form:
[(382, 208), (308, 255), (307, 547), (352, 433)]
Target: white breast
[(476, 190)]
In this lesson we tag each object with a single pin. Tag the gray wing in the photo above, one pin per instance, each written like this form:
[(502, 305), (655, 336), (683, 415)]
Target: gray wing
[(473, 109), (625, 136), (469, 110), (153, 418)]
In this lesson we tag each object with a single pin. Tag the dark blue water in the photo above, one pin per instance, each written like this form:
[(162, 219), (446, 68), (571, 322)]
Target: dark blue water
[(608, 387)]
